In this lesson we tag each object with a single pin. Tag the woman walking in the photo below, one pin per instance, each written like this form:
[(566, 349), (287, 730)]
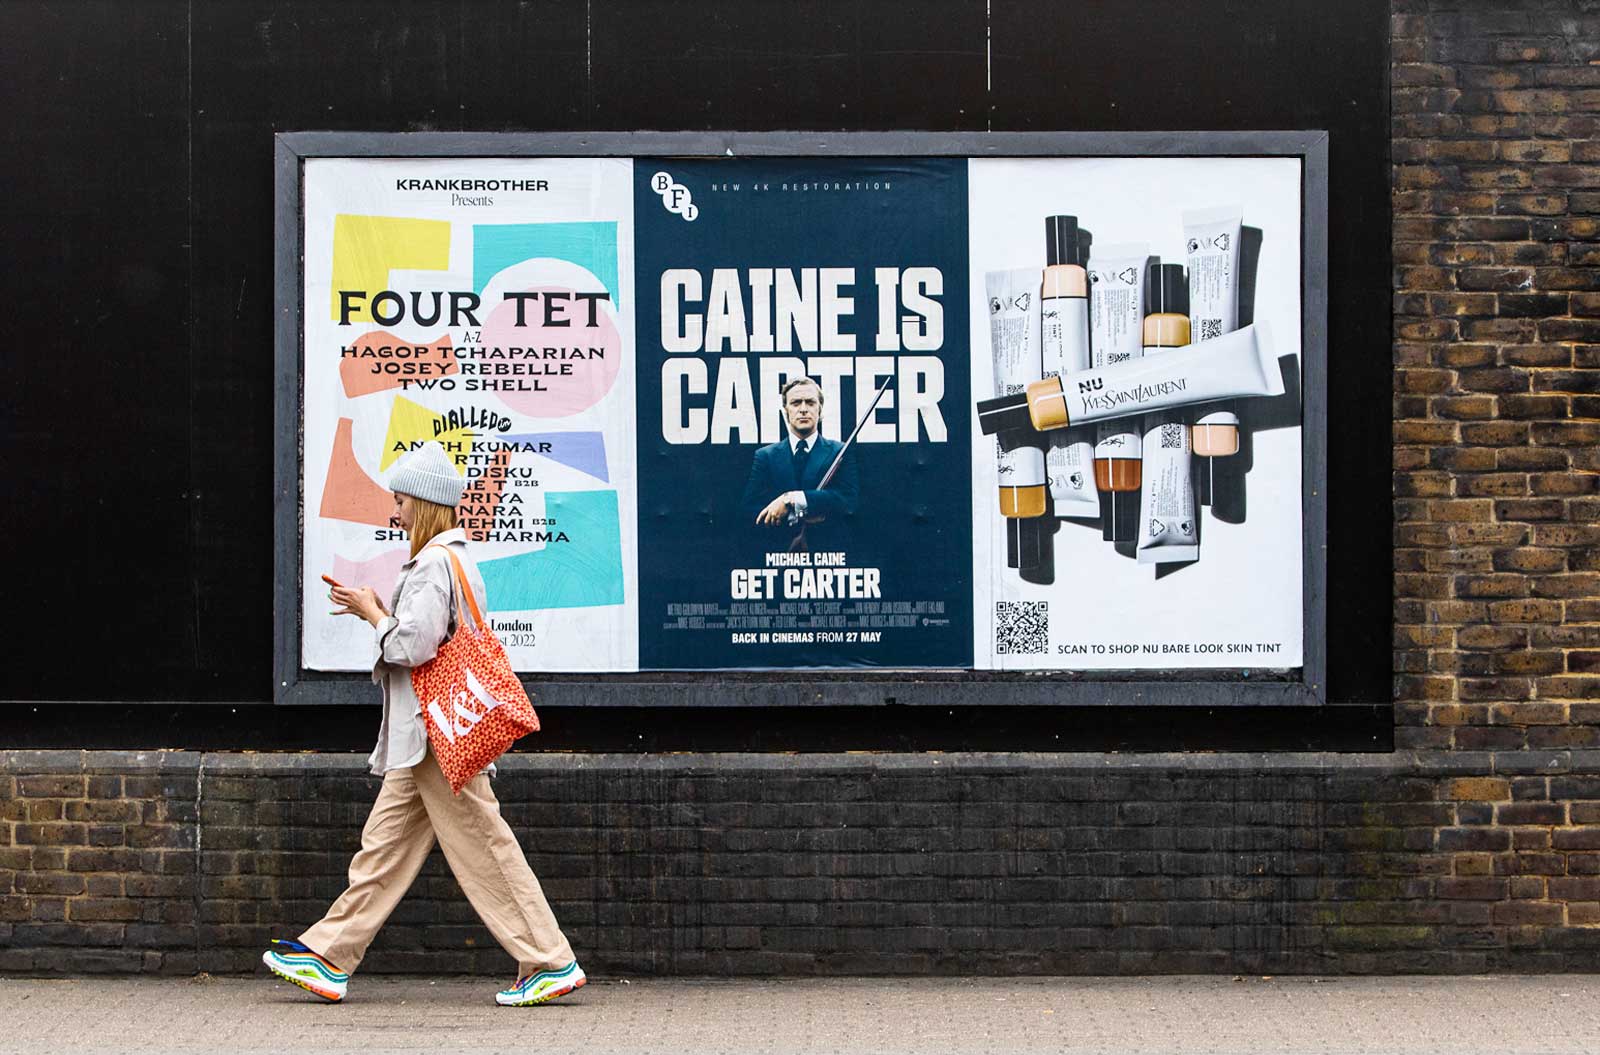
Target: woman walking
[(415, 805)]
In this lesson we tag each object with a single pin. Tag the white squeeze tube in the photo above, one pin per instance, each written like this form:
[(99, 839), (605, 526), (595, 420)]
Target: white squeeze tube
[(1239, 365), (1166, 522), (1064, 318), (1116, 315), (1013, 299), (1167, 530), (1211, 237)]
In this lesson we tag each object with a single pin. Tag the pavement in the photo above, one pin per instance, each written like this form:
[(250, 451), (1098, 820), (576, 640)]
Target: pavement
[(237, 1016)]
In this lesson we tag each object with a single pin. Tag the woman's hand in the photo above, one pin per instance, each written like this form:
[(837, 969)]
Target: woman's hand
[(363, 602)]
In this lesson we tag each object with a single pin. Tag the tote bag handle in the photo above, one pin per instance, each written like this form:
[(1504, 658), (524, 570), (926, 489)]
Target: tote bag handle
[(460, 577)]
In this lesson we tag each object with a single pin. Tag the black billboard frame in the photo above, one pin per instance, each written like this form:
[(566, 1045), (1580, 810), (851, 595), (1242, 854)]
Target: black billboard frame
[(1302, 686)]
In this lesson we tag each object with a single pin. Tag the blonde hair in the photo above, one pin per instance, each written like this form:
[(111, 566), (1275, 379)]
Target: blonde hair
[(427, 520)]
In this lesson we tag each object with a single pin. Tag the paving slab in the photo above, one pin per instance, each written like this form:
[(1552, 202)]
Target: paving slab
[(1196, 1015)]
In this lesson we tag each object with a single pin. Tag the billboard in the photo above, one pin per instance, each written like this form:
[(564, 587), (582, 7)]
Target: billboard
[(877, 412)]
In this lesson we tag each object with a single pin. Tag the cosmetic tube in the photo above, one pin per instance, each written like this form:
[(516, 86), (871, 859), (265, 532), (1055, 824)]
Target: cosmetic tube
[(1166, 487), (1212, 239), (1027, 531), (1064, 341), (1237, 365), (1167, 521), (1116, 317), (1025, 544), (1014, 345)]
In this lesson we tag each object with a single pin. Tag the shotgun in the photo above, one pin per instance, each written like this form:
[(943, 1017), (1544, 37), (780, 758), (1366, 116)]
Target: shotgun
[(799, 544)]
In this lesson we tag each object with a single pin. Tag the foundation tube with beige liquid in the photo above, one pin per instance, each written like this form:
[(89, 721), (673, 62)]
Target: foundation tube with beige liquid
[(1234, 366), (1167, 528), (1064, 336), (1211, 237), (1013, 298), (1116, 319)]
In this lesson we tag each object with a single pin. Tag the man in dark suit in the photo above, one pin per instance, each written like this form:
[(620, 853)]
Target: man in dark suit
[(783, 493)]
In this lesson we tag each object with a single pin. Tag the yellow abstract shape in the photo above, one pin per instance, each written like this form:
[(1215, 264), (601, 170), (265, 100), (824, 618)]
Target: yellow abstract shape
[(412, 423), (367, 248)]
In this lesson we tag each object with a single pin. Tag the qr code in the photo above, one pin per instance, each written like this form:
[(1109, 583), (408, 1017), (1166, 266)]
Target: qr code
[(1021, 628), (1172, 437), (1210, 328)]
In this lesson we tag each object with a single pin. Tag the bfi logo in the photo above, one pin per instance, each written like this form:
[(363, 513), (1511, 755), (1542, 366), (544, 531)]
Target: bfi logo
[(675, 196), (471, 706)]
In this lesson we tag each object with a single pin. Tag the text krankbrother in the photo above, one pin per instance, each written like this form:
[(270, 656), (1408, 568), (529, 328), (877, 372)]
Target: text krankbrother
[(471, 184)]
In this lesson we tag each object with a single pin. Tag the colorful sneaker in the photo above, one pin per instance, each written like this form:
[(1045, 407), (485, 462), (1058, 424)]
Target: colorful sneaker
[(542, 987), (294, 962)]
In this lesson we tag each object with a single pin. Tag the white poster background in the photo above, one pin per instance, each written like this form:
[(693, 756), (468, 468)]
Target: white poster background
[(1246, 588), (601, 637)]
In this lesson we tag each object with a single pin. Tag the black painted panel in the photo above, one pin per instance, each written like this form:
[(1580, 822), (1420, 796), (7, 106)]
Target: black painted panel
[(405, 65), (263, 726), (94, 220), (811, 64)]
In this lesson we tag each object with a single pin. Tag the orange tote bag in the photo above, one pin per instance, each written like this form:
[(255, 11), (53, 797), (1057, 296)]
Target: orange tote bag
[(472, 703)]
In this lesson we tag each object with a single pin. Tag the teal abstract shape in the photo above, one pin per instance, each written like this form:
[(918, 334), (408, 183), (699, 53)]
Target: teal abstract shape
[(590, 245), (581, 573)]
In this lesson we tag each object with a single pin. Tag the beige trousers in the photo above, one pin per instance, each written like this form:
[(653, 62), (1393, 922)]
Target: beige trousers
[(414, 807)]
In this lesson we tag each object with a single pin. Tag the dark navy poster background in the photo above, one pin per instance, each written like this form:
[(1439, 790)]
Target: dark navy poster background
[(908, 540)]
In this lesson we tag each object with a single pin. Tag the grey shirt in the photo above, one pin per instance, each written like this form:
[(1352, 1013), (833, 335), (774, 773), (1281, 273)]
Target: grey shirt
[(424, 607)]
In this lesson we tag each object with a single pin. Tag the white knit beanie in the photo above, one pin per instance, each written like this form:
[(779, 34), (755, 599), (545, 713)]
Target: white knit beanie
[(430, 474)]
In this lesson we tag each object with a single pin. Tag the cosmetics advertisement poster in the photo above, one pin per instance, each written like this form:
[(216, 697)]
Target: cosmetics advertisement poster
[(1169, 559), (855, 550), (486, 304)]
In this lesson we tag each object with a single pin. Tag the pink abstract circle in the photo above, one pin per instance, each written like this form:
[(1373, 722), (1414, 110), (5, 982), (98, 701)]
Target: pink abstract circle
[(563, 369)]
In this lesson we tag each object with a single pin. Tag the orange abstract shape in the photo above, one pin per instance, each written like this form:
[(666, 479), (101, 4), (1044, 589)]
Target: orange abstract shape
[(348, 493), (362, 374), (411, 424), (367, 248), (481, 502)]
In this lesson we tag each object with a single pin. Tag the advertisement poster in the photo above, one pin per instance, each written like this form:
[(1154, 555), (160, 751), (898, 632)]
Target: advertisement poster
[(834, 270), (1017, 414), (1208, 571), (486, 304)]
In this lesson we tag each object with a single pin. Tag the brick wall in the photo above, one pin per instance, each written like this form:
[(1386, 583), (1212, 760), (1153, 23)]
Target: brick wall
[(1474, 846), (1497, 391), (1496, 118), (753, 864)]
